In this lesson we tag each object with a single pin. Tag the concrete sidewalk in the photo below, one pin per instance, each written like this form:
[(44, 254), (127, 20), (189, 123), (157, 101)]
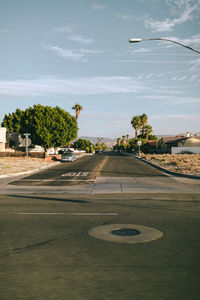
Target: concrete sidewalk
[(110, 185)]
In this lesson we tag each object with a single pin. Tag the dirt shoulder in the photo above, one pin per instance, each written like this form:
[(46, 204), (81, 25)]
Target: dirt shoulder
[(11, 165), (181, 163)]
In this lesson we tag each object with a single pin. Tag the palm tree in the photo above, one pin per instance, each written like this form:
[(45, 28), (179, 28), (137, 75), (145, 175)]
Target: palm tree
[(123, 139), (127, 138), (147, 129), (144, 120), (137, 124), (77, 107), (118, 141)]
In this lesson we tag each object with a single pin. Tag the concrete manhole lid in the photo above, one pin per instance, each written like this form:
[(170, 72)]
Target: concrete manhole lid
[(126, 233)]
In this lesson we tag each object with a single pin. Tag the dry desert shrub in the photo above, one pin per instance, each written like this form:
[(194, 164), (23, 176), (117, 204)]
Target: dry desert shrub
[(181, 163)]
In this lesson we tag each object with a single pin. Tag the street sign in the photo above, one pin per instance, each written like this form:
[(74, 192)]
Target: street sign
[(26, 136)]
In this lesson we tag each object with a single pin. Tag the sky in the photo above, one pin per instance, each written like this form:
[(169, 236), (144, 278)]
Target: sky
[(59, 52)]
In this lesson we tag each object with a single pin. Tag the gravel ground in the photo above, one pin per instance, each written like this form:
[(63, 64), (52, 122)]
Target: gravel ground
[(10, 165), (181, 163)]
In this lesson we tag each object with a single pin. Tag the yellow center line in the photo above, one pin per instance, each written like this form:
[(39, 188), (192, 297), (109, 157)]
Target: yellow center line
[(100, 167)]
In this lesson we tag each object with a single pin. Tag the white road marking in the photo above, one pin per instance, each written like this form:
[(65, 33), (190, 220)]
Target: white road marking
[(73, 214), (75, 174), (57, 180)]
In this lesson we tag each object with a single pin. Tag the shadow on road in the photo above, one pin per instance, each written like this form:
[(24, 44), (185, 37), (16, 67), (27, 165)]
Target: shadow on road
[(49, 199)]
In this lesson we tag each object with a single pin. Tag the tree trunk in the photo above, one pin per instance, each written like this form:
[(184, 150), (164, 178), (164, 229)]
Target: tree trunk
[(136, 132)]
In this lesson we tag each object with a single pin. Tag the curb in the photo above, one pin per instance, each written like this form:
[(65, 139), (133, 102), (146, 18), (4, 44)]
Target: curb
[(165, 170)]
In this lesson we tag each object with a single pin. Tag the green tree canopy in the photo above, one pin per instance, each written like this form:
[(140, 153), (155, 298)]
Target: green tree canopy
[(137, 124), (147, 130), (144, 120), (82, 144), (48, 126), (134, 146)]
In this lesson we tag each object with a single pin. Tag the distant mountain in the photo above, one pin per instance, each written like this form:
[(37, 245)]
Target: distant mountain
[(93, 140)]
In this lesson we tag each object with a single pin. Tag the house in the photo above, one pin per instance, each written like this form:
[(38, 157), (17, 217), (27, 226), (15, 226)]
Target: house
[(9, 140), (3, 139), (181, 143), (16, 140)]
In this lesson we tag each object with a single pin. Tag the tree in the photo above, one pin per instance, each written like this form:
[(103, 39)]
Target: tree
[(123, 140), (13, 121), (134, 146), (144, 120), (147, 130), (49, 127), (136, 123), (118, 141), (77, 107), (82, 144)]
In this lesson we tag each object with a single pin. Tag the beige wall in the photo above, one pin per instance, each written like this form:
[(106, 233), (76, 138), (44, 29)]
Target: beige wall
[(176, 150), (2, 147), (3, 135)]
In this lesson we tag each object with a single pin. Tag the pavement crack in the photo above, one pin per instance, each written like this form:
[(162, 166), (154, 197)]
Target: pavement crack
[(32, 246)]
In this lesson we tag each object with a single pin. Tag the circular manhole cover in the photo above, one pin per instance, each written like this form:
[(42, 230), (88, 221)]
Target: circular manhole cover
[(126, 233)]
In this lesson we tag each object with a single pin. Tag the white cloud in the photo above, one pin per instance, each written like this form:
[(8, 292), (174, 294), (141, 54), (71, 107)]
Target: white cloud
[(184, 117), (195, 64), (140, 50), (98, 7), (150, 61), (80, 86), (174, 123), (150, 75), (80, 39), (185, 11), (77, 55), (194, 78), (171, 100), (182, 78), (63, 29), (193, 40), (127, 18)]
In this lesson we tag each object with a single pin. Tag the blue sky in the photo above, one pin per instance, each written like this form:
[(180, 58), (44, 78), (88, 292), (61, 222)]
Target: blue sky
[(58, 52)]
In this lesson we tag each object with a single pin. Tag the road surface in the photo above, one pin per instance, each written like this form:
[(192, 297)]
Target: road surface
[(104, 173), (47, 251)]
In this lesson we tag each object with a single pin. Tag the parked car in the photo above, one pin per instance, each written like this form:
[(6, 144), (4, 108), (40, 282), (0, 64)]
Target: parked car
[(68, 156), (64, 150), (97, 151)]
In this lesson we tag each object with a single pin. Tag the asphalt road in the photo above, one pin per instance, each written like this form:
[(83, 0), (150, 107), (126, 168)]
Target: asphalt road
[(87, 169), (47, 252)]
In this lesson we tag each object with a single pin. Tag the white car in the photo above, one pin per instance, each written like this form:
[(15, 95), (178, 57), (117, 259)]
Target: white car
[(68, 156)]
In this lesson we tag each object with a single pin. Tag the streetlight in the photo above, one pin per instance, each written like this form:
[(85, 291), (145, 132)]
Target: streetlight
[(133, 40)]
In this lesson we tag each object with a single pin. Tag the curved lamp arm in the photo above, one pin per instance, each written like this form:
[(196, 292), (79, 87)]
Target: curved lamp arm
[(133, 40)]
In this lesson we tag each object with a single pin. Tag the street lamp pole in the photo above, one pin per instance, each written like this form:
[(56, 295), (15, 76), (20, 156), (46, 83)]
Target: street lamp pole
[(133, 40)]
